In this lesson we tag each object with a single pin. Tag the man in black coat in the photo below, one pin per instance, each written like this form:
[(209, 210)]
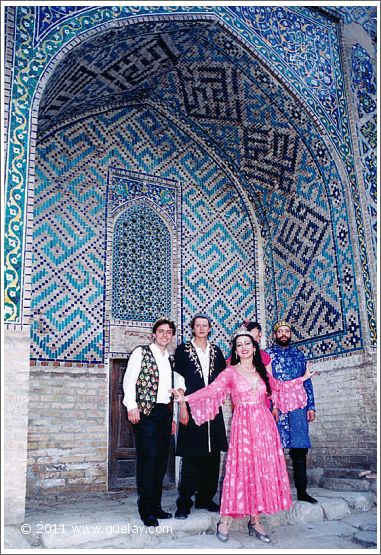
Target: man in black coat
[(197, 363)]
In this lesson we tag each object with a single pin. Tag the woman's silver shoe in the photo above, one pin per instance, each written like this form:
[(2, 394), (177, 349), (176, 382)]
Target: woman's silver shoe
[(222, 537), (252, 532)]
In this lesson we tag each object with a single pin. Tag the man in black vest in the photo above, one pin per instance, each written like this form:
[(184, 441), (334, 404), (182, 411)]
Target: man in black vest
[(198, 363), (146, 385)]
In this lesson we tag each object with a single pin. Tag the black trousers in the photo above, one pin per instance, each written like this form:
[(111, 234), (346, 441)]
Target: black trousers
[(152, 437), (299, 467), (199, 475)]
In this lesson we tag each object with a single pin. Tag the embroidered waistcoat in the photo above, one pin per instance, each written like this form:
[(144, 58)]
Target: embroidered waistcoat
[(147, 383)]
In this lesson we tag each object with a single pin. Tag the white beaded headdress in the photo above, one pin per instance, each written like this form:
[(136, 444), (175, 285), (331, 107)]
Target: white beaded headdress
[(242, 330)]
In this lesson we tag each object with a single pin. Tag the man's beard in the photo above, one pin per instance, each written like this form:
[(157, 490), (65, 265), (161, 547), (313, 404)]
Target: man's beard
[(283, 342)]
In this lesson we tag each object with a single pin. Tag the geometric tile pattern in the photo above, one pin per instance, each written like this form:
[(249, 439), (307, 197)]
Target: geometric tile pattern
[(219, 272), (219, 263), (227, 132), (141, 267), (68, 268), (364, 88), (304, 232), (131, 65)]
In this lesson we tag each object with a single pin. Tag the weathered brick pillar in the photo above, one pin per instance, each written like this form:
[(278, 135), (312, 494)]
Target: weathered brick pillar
[(16, 398)]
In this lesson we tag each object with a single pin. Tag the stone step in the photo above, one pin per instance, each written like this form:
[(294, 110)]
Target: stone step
[(106, 523), (344, 472), (346, 484)]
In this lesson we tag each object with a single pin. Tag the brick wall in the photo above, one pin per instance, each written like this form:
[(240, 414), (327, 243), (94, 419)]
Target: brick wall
[(68, 430), (344, 434)]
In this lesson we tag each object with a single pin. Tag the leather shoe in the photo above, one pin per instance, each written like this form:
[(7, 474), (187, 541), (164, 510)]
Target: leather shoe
[(253, 532), (305, 497), (181, 514), (222, 537), (150, 521), (159, 513), (211, 506)]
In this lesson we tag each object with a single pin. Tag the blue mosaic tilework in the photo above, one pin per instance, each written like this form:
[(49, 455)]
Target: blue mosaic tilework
[(307, 238), (128, 186), (141, 271), (218, 254), (31, 63), (363, 15), (364, 88), (304, 41), (115, 66), (68, 257), (47, 17), (363, 80)]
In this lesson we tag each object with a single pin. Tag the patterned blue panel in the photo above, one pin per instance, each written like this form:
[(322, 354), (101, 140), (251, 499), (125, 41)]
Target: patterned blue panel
[(47, 17), (141, 273), (128, 186), (68, 256), (219, 251), (304, 41), (363, 80), (218, 255), (363, 15), (114, 66), (364, 88), (291, 198)]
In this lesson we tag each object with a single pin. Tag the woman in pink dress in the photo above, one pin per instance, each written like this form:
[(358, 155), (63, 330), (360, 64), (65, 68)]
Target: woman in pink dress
[(256, 479), (255, 330)]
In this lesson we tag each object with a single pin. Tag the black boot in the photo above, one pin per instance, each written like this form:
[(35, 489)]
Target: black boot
[(304, 496), (299, 467), (183, 507)]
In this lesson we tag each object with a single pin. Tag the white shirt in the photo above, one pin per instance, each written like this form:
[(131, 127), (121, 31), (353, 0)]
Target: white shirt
[(204, 358), (179, 382), (133, 370)]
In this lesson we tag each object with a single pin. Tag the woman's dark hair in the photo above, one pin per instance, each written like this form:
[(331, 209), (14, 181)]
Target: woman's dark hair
[(162, 321), (253, 325), (257, 360)]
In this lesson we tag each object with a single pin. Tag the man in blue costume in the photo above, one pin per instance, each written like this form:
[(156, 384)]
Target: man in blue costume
[(288, 363)]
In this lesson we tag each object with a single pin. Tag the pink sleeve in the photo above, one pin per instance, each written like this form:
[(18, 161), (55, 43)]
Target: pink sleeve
[(205, 402), (266, 358), (288, 395)]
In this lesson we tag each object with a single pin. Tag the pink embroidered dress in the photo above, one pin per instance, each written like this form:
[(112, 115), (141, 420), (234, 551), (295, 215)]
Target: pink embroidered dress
[(256, 479)]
